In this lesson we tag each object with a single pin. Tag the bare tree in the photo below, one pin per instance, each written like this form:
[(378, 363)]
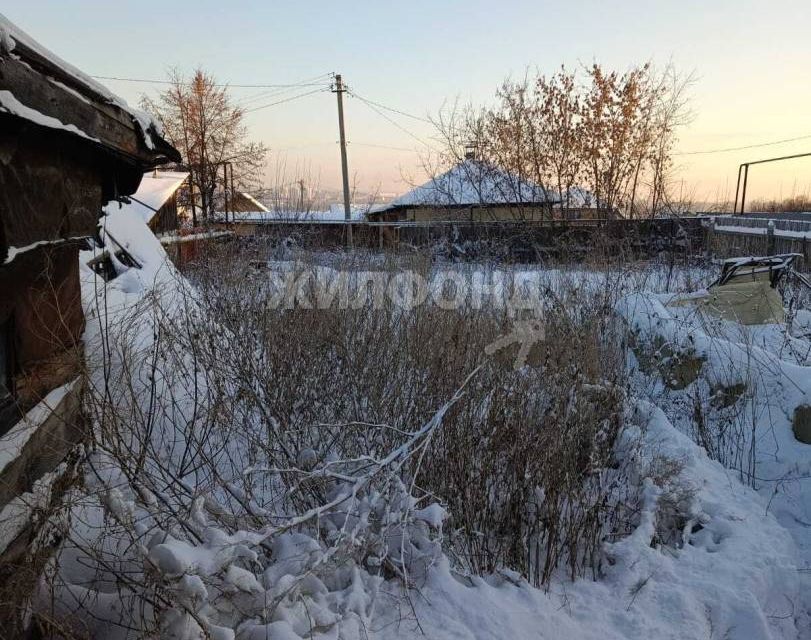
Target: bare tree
[(610, 138), (200, 120)]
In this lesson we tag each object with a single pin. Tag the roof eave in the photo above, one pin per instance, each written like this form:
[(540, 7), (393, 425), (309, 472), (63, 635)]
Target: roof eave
[(43, 87)]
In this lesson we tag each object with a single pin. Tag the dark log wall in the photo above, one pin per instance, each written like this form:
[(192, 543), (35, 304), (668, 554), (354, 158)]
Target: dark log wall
[(50, 187), (50, 193), (42, 299), (54, 181)]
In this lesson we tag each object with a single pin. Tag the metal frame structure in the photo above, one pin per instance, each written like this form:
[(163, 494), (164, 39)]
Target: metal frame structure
[(744, 167)]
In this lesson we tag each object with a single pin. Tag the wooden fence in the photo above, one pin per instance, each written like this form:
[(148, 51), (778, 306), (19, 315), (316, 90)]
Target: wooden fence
[(728, 236)]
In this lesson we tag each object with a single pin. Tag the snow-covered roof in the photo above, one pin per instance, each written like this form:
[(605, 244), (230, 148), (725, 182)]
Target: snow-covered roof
[(156, 188), (333, 215), (259, 206), (19, 45), (473, 182)]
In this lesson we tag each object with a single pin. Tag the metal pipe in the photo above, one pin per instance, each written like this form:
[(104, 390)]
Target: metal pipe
[(743, 194), (737, 189), (745, 167)]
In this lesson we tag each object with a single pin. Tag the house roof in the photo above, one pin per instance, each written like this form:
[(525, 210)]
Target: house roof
[(259, 207), (472, 182), (39, 87), (334, 215), (155, 190)]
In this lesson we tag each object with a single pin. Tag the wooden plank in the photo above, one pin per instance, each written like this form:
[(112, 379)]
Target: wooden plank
[(45, 449), (112, 127)]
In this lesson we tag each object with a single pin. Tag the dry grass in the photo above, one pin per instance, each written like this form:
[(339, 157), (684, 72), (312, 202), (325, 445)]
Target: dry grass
[(524, 463)]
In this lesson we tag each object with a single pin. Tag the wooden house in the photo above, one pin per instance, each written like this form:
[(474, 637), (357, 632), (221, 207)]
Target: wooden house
[(472, 191), (67, 147)]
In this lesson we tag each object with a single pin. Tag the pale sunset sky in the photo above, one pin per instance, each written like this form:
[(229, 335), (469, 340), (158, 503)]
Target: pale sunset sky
[(752, 61)]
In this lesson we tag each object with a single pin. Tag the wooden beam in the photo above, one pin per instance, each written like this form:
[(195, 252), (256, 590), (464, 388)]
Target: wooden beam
[(111, 126)]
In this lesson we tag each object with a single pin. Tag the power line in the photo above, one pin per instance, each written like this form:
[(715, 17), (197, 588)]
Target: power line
[(272, 93), (267, 95), (381, 146), (391, 121), (225, 85), (744, 148), (392, 109), (290, 99)]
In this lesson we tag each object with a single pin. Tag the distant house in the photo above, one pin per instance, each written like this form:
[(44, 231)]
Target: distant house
[(581, 204), (242, 202), (67, 147), (472, 191), (155, 202)]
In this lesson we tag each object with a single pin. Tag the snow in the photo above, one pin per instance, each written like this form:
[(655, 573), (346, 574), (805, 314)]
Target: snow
[(472, 183), (155, 189), (334, 215), (10, 104), (13, 252), (11, 34), (735, 578), (259, 206), (433, 514), (736, 571), (17, 514), (775, 370), (170, 239), (722, 227), (13, 442), (762, 231), (580, 198)]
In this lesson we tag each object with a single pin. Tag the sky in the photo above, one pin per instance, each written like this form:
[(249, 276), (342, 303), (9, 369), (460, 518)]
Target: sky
[(751, 60)]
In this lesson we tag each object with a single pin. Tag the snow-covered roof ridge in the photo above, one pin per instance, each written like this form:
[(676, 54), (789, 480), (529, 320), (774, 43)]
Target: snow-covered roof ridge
[(474, 182), (18, 44), (259, 206)]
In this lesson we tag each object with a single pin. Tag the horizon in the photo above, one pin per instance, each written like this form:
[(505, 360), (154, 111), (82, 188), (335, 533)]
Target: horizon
[(386, 55)]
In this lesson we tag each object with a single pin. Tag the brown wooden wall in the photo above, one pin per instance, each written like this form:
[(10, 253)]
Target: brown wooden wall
[(166, 219), (42, 302), (50, 187), (50, 200)]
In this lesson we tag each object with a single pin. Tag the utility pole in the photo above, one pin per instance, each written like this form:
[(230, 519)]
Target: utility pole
[(191, 198), (339, 90), (233, 191), (225, 190), (301, 196)]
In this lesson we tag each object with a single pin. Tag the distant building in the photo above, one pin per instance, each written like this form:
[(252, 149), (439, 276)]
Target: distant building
[(244, 202), (252, 222), (581, 204), (472, 191)]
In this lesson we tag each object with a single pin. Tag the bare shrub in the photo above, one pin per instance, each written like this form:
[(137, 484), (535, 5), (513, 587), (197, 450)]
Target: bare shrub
[(313, 452), (524, 462)]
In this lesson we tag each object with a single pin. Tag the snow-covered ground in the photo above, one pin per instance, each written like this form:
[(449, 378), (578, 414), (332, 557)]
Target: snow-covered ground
[(767, 366), (737, 568)]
